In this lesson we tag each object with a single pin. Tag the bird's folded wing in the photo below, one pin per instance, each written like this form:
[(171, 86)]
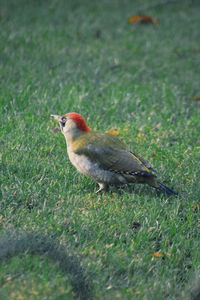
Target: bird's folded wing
[(145, 163), (117, 160)]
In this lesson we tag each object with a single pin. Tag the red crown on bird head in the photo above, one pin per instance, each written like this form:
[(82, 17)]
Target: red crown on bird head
[(79, 120)]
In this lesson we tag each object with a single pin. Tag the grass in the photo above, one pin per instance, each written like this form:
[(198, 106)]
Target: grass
[(62, 56)]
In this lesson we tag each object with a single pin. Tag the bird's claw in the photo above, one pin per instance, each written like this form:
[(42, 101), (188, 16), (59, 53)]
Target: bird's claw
[(102, 187)]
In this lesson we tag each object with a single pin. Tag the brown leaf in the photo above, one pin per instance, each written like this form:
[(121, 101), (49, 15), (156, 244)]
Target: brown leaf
[(197, 98), (142, 19), (157, 254), (196, 206), (134, 19), (112, 131)]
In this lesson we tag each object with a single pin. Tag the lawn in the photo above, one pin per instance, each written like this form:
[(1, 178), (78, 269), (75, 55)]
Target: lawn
[(60, 240)]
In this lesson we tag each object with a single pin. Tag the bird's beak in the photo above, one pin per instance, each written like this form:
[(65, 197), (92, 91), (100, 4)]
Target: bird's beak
[(57, 118)]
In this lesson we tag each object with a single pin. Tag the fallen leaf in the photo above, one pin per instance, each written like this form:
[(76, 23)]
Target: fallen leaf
[(107, 246), (134, 19), (151, 228), (197, 98), (112, 131), (196, 206), (147, 19), (157, 254), (142, 19)]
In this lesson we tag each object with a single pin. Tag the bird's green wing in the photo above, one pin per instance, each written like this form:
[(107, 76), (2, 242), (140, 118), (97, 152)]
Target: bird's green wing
[(143, 161), (117, 160)]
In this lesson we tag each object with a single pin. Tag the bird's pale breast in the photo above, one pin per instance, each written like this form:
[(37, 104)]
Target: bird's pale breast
[(92, 170)]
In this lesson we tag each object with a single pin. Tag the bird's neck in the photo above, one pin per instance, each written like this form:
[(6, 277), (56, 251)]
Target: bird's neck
[(72, 135)]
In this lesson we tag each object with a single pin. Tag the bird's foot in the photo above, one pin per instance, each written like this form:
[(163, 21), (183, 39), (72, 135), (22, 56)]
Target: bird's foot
[(102, 187)]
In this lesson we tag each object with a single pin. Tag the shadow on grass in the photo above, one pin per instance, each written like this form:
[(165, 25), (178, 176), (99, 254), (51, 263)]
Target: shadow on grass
[(136, 189), (194, 286), (34, 243), (139, 189)]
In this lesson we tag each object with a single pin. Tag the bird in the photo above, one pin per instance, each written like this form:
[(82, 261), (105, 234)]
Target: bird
[(103, 157)]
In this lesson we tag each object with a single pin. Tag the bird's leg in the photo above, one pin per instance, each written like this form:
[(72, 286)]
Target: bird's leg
[(102, 186)]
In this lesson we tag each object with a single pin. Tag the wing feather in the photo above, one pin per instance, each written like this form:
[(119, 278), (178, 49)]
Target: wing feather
[(117, 160)]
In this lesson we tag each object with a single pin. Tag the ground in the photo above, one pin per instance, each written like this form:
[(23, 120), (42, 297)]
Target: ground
[(140, 80)]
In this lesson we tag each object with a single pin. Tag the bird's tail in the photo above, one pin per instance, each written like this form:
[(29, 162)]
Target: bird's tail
[(166, 189)]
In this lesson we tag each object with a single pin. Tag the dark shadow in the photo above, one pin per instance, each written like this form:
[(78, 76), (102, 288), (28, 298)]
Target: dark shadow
[(34, 243)]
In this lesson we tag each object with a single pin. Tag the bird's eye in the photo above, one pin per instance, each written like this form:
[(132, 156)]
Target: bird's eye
[(64, 120)]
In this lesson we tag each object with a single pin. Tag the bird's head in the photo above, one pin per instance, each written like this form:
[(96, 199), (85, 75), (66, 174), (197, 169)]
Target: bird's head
[(72, 125)]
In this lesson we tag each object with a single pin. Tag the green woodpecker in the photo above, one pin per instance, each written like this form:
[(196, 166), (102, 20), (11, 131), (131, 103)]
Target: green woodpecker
[(103, 157)]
